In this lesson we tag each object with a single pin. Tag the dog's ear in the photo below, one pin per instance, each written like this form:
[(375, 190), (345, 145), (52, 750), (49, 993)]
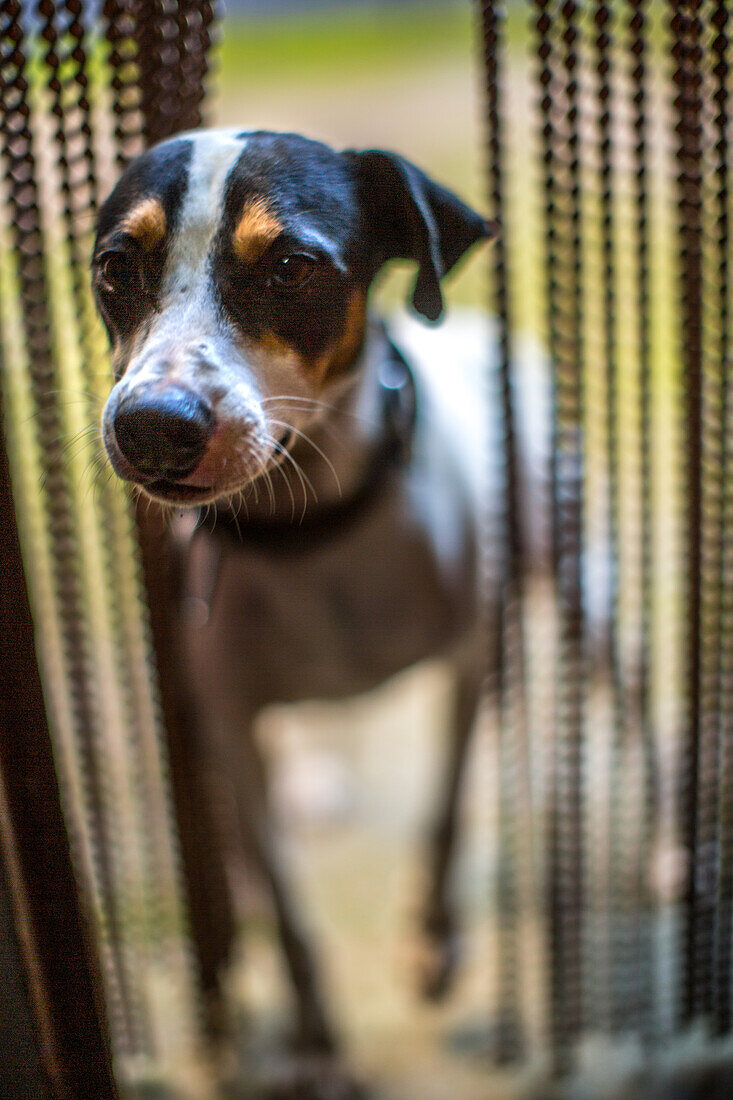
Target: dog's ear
[(408, 216)]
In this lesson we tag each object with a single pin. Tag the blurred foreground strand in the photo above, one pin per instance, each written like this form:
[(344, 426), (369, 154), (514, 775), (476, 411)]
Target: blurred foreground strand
[(95, 647), (512, 756), (632, 770)]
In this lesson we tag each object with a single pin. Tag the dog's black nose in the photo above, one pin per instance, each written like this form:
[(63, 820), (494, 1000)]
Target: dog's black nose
[(163, 432)]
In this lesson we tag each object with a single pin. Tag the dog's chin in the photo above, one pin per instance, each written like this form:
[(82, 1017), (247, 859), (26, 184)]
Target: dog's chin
[(179, 494), (182, 494), (190, 494)]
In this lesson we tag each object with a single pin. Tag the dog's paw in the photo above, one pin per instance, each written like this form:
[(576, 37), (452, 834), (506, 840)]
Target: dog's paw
[(438, 956), (218, 1018), (313, 1036), (312, 1077)]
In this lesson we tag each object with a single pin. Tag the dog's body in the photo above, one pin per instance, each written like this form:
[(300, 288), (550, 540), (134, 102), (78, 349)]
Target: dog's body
[(232, 272), (355, 593)]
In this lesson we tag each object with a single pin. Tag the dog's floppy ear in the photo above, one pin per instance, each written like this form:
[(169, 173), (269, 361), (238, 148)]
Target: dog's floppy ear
[(409, 216)]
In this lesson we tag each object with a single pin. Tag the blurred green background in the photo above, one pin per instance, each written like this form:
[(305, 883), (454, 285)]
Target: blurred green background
[(398, 76)]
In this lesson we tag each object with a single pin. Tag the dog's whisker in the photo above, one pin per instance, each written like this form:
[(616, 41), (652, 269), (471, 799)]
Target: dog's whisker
[(301, 475), (311, 402), (87, 480), (286, 455), (71, 397), (40, 411), (304, 481), (324, 425), (236, 520), (316, 448), (99, 486), (99, 479), (89, 429), (64, 437), (267, 478), (238, 501), (92, 473), (289, 487), (271, 491), (75, 396), (306, 403), (136, 494), (82, 437), (250, 453), (76, 448), (282, 454)]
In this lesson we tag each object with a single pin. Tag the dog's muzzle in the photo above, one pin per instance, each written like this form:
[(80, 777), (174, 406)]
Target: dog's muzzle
[(163, 431)]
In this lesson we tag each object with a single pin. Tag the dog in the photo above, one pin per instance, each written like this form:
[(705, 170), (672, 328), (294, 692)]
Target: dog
[(338, 530)]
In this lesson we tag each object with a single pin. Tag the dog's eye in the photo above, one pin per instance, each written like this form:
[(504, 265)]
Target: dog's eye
[(117, 270), (293, 271)]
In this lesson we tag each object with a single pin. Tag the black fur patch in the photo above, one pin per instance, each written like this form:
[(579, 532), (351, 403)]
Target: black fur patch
[(161, 173), (348, 212), (310, 190)]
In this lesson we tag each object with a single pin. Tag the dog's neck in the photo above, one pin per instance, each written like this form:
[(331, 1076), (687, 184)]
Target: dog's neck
[(329, 463)]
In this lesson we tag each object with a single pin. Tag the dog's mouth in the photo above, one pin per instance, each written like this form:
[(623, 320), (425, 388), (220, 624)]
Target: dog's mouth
[(178, 491), (182, 492)]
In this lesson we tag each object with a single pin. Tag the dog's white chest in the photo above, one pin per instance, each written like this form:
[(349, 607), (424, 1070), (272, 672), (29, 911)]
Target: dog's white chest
[(342, 617), (396, 586)]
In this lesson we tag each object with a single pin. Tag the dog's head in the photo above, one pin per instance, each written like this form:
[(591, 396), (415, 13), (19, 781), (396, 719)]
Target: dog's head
[(231, 271)]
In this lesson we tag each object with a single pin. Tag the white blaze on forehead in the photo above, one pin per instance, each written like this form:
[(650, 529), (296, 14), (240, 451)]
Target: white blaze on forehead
[(215, 152), (186, 339)]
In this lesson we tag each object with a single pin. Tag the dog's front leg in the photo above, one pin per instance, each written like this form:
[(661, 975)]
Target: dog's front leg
[(314, 1032), (237, 768), (314, 1069), (438, 919), (316, 1072)]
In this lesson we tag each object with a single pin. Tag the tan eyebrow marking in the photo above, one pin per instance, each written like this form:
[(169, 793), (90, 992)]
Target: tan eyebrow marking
[(147, 223), (347, 347), (257, 229), (335, 359)]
